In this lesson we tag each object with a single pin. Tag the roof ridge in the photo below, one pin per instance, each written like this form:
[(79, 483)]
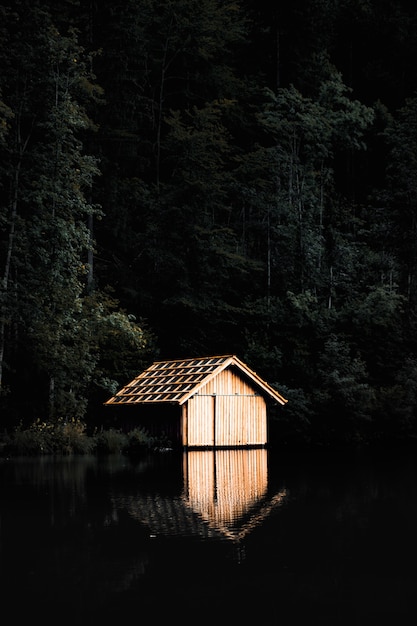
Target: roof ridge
[(197, 358)]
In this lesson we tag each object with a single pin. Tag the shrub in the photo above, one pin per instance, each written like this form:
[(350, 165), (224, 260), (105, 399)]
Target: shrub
[(27, 442), (110, 441), (139, 440), (70, 437), (58, 437)]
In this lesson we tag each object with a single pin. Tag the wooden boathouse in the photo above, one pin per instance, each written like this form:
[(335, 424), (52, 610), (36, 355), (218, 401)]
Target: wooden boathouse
[(208, 402)]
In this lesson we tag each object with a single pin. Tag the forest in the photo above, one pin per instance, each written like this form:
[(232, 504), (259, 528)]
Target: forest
[(183, 178)]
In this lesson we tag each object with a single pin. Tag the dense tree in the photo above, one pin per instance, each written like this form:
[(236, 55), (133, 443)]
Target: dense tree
[(202, 176), (46, 179), (166, 189)]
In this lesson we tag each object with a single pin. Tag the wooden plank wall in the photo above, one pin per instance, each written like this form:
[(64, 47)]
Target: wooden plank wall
[(240, 416)]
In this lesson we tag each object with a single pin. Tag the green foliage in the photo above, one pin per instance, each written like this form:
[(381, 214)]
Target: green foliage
[(110, 441), (66, 437), (58, 437), (397, 401), (139, 440), (342, 397), (292, 424), (121, 345), (5, 115), (400, 196), (47, 318), (304, 135)]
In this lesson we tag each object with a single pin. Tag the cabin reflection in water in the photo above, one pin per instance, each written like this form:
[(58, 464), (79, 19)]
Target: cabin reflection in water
[(225, 496), (225, 486)]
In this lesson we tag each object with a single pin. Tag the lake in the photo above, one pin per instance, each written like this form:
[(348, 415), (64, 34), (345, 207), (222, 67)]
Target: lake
[(227, 537)]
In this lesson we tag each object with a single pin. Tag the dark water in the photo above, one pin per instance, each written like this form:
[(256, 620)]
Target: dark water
[(253, 537)]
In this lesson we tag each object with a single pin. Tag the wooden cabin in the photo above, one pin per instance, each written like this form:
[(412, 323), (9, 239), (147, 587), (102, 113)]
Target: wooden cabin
[(207, 402)]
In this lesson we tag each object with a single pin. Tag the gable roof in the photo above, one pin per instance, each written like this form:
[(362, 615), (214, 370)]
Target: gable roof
[(176, 381)]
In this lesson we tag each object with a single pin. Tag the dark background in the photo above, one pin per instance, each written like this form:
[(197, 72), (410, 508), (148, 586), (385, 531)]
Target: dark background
[(179, 179)]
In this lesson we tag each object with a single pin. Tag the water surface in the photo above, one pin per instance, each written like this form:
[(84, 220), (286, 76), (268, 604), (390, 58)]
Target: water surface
[(249, 537)]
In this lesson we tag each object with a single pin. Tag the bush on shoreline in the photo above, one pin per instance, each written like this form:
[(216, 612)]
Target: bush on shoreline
[(69, 436)]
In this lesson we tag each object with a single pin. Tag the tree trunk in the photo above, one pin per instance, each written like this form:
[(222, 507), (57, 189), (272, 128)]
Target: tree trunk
[(7, 266)]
